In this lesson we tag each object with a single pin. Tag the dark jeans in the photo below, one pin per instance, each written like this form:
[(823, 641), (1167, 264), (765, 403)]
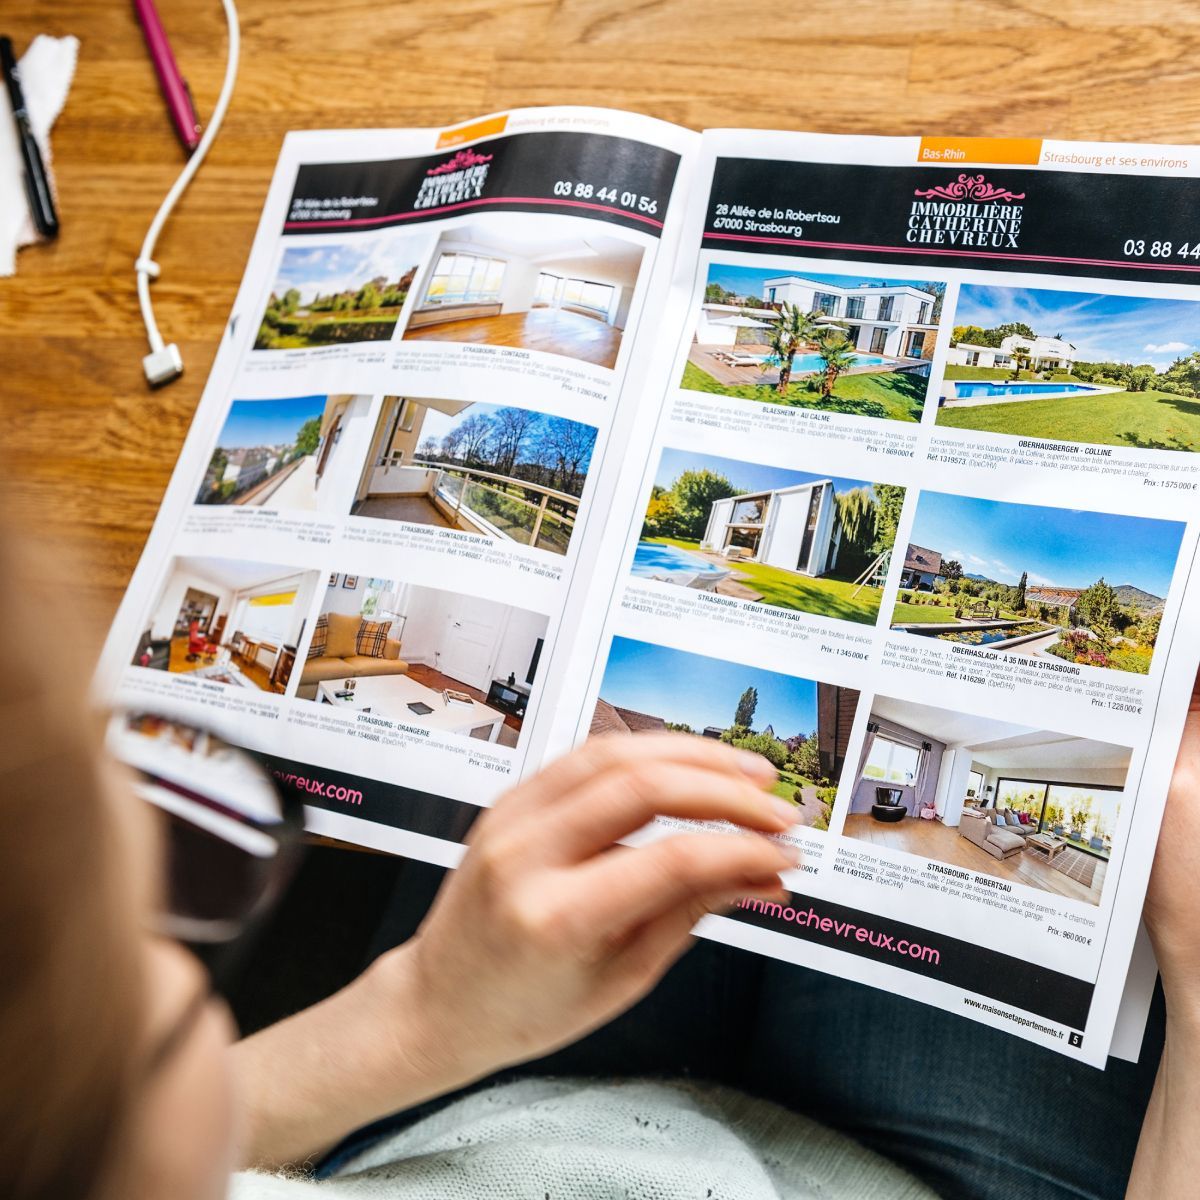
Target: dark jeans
[(973, 1111)]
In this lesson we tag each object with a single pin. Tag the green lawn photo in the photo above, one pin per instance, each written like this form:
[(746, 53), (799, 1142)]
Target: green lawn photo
[(1117, 370), (800, 726), (1031, 581), (769, 536), (327, 295), (834, 343)]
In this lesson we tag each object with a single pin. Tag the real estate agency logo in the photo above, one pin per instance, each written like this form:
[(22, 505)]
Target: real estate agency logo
[(459, 178), (970, 211)]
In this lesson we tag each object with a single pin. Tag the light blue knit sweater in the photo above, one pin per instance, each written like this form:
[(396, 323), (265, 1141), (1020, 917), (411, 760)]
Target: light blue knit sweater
[(557, 1139)]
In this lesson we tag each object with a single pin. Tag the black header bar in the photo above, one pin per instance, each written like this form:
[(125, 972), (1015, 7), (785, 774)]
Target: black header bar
[(987, 218), (592, 175)]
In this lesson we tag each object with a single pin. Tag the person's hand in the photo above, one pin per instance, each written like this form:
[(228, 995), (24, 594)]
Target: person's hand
[(549, 929), (1172, 909)]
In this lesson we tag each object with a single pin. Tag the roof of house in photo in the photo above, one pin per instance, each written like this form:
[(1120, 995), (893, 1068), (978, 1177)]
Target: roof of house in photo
[(918, 558), (1053, 595), (608, 718)]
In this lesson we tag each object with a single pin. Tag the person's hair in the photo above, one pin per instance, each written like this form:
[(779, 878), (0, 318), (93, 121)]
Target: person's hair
[(72, 988)]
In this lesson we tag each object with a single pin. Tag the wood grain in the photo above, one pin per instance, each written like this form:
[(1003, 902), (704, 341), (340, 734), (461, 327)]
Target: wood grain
[(88, 449)]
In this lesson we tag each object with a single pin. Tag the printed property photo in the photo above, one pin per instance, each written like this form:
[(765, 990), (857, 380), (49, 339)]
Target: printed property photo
[(840, 343), (339, 292), (228, 621), (1074, 366), (1037, 582), (1025, 805), (282, 453), (510, 474), (800, 725), (552, 284), (785, 539), (448, 662)]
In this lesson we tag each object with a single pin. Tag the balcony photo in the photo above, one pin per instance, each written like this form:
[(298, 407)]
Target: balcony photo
[(1031, 581), (285, 453), (510, 474), (1029, 806), (335, 293), (445, 661), (770, 536), (1074, 366), (552, 284), (228, 621), (801, 726), (852, 344)]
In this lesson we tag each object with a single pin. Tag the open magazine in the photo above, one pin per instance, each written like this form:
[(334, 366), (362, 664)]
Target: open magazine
[(877, 456)]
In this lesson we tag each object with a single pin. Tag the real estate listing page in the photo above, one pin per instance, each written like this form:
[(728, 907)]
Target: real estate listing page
[(915, 519), (569, 423), (362, 570)]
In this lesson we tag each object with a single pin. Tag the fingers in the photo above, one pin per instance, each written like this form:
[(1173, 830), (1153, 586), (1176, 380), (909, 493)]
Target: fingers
[(618, 802), (627, 888), (616, 753)]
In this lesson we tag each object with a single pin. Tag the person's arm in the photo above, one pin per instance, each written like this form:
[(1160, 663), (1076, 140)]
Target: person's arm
[(1167, 1165), (546, 931)]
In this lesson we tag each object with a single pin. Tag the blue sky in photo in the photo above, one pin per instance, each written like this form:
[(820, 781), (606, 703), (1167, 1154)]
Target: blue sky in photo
[(748, 281), (1101, 328), (747, 477), (323, 270), (437, 424), (1058, 547), (697, 691), (267, 422)]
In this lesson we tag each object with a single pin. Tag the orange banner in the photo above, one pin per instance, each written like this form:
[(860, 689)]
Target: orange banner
[(471, 133), (951, 150)]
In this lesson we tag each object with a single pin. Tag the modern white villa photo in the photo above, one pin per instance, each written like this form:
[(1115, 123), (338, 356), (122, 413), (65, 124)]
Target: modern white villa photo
[(768, 535), (808, 338), (511, 474), (445, 661), (284, 453), (1074, 366), (228, 621), (1035, 581), (548, 283), (1029, 806)]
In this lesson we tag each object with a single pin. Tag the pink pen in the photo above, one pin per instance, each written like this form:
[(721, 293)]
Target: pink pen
[(174, 88)]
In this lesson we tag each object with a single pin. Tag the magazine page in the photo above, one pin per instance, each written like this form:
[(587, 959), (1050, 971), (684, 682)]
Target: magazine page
[(362, 566), (916, 519)]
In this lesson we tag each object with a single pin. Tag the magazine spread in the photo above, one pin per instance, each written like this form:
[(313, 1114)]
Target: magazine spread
[(876, 456)]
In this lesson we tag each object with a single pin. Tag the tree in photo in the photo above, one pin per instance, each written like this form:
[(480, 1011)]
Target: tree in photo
[(510, 428), (746, 705), (1019, 597), (838, 356), (569, 445), (791, 332), (889, 500), (309, 437), (694, 494), (858, 513), (476, 433)]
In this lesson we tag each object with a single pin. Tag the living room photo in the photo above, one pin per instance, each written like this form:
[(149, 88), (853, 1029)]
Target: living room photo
[(445, 661), (809, 339), (228, 621), (781, 538), (511, 474), (547, 283), (1029, 806), (1037, 582), (801, 726), (284, 453), (328, 293)]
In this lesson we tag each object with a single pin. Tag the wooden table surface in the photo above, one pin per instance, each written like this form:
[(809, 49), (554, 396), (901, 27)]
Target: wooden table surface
[(88, 449)]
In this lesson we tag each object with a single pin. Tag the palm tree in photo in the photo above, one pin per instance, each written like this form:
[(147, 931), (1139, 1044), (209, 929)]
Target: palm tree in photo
[(791, 331), (838, 356)]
